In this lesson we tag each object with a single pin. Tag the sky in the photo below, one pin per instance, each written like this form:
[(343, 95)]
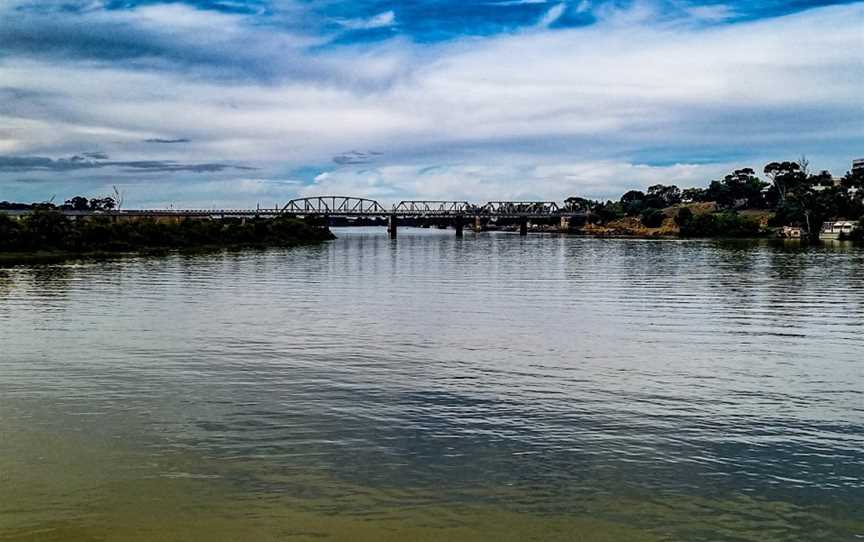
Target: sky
[(238, 103)]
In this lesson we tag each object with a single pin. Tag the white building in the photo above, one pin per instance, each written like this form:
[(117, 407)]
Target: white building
[(833, 230)]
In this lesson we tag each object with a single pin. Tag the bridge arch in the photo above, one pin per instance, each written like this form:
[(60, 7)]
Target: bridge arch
[(343, 205)]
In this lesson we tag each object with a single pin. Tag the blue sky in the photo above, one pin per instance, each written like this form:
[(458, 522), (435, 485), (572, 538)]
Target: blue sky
[(225, 103)]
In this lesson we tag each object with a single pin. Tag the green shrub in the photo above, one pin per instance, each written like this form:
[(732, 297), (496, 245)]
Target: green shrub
[(652, 218), (727, 224), (51, 230), (10, 233), (684, 217)]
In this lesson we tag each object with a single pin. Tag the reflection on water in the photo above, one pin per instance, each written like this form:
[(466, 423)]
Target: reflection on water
[(436, 388)]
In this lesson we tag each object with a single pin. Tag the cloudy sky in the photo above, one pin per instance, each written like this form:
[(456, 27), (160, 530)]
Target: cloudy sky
[(233, 103)]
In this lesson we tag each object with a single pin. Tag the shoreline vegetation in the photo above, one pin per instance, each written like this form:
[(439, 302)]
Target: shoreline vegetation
[(793, 203), (47, 236)]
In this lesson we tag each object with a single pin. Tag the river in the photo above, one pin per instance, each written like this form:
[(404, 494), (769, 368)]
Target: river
[(435, 388)]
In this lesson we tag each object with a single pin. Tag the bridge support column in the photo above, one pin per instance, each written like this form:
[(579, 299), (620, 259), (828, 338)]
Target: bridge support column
[(391, 226), (523, 225), (565, 224), (459, 223), (478, 224)]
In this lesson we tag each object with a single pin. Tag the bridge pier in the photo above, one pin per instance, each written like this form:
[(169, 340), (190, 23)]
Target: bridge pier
[(523, 226), (478, 224), (392, 224), (459, 223)]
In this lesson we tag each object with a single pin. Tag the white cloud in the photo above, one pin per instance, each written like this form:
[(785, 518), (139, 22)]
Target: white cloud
[(507, 180), (565, 110), (382, 20), (714, 13), (517, 2), (554, 13)]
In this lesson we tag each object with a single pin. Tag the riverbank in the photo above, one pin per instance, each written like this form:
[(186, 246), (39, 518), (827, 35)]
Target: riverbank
[(49, 237), (700, 220)]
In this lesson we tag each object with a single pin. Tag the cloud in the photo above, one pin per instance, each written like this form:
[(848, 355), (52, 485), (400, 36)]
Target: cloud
[(381, 20), (511, 180), (164, 37), (355, 157), (236, 193), (517, 2), (166, 141), (637, 87), (554, 13), (18, 164), (712, 13)]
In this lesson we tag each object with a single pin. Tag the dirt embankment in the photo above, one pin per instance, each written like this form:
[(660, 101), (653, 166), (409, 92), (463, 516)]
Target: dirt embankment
[(633, 227)]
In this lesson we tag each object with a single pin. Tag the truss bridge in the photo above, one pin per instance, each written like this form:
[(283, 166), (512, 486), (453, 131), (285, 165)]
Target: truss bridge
[(446, 212), (458, 212)]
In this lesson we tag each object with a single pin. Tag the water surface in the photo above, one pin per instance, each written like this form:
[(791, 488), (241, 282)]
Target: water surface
[(434, 388)]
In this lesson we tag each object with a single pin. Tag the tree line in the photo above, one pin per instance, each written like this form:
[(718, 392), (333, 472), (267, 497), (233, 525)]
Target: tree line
[(77, 203)]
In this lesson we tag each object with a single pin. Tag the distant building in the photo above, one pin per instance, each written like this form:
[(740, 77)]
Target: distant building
[(790, 232), (858, 165), (833, 230)]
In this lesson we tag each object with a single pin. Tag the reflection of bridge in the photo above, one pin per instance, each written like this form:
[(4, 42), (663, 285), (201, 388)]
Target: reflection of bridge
[(455, 212)]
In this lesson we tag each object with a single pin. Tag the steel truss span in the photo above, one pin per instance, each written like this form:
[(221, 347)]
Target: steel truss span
[(521, 208), (351, 206), (335, 205), (433, 207)]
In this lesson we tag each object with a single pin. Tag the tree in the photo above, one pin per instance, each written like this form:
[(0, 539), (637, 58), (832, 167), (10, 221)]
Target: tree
[(725, 224), (632, 195), (102, 204), (785, 176), (652, 218), (633, 201), (78, 203), (813, 199), (46, 228), (741, 187), (693, 194), (10, 233), (118, 197), (574, 203), (667, 195), (606, 212), (853, 180), (684, 217), (720, 193)]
